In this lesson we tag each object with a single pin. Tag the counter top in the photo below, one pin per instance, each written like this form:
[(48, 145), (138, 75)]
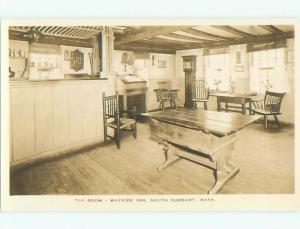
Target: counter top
[(53, 80)]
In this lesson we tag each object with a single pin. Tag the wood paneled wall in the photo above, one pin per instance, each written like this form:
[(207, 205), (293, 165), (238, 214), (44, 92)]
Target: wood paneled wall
[(53, 117)]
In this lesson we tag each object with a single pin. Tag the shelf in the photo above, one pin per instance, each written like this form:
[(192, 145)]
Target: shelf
[(45, 69), (50, 80), (18, 58)]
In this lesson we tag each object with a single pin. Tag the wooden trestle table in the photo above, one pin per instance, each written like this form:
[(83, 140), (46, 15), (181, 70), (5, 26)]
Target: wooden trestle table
[(201, 136)]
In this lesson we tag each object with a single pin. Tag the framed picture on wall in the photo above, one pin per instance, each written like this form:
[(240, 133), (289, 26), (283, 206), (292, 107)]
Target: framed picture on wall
[(291, 56), (162, 64)]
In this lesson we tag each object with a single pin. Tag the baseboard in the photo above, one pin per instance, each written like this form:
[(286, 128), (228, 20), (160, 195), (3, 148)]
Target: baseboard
[(44, 158)]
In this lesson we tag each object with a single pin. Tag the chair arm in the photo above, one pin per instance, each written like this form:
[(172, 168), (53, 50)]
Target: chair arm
[(257, 100), (131, 112)]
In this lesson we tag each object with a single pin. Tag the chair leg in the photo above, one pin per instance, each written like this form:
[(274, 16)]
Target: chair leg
[(194, 105), (105, 134), (117, 138), (266, 121), (174, 104), (277, 121), (135, 130), (163, 105), (205, 105)]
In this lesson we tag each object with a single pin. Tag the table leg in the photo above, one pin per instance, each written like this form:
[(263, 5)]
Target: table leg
[(243, 108), (250, 108), (225, 168), (218, 104), (169, 156)]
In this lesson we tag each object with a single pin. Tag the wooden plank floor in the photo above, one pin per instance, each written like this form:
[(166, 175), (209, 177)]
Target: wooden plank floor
[(265, 158)]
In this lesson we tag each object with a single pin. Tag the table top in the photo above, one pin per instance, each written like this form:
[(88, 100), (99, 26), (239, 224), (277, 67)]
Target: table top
[(234, 95), (165, 89), (214, 122)]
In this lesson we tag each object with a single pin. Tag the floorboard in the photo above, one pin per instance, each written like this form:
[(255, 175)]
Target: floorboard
[(265, 159)]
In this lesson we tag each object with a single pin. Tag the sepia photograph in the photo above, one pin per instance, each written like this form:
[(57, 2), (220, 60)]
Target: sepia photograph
[(162, 110)]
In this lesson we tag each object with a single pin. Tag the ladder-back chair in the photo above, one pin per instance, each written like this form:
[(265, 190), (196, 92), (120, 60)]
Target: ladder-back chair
[(270, 105), (200, 93), (117, 119)]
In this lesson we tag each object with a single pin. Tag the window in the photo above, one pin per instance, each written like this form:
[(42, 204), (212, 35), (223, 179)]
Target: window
[(267, 71), (217, 71)]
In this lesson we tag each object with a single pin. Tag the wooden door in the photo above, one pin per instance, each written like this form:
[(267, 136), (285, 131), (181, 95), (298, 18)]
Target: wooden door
[(189, 67)]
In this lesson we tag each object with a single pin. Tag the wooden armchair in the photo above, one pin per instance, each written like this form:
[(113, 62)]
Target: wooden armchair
[(122, 122), (270, 105), (164, 95), (200, 93)]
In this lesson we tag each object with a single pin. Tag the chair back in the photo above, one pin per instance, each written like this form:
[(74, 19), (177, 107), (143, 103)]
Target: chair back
[(163, 85), (273, 100), (162, 94), (200, 90), (110, 106)]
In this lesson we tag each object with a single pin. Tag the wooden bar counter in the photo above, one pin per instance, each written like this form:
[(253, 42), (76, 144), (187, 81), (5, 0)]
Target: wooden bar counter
[(54, 116)]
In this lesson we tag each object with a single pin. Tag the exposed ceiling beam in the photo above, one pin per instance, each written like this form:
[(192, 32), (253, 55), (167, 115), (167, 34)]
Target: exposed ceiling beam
[(47, 39), (167, 41), (57, 31), (257, 39), (88, 28), (176, 44), (184, 37), (233, 30), (149, 43), (204, 34), (144, 32), (271, 28), (146, 49)]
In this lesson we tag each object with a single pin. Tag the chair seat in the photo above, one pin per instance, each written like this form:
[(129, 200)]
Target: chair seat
[(124, 122), (164, 99), (265, 112), (200, 100)]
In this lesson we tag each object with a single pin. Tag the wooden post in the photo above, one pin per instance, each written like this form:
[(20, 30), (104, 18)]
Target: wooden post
[(107, 49), (96, 57)]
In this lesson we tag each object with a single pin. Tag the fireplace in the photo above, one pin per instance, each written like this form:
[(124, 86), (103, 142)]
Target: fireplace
[(134, 94)]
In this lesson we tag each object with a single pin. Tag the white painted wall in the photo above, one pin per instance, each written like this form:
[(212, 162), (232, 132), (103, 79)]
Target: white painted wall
[(241, 78), (288, 105), (149, 71), (66, 67)]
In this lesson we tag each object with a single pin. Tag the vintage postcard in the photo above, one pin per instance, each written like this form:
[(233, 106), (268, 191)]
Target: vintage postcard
[(149, 115)]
